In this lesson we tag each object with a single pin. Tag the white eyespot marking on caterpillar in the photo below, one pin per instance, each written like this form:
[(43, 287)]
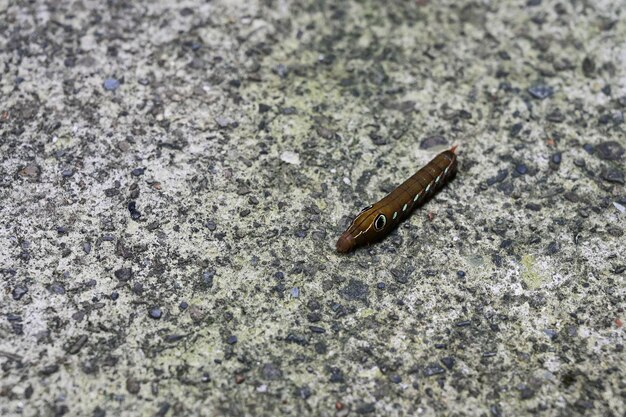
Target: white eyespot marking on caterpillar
[(380, 222)]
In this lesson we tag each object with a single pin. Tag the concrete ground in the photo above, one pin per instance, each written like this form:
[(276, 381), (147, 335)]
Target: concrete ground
[(174, 176)]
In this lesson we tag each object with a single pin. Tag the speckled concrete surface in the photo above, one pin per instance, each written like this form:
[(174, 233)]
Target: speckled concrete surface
[(173, 179)]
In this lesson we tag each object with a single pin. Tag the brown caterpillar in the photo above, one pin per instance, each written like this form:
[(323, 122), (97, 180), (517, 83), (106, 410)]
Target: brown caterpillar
[(376, 221)]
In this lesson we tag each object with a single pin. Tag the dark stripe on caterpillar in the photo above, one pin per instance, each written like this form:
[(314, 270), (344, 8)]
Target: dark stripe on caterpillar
[(376, 221)]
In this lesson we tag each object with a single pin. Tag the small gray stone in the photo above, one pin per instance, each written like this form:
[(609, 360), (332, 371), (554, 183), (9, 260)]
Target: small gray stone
[(613, 175), (541, 91), (111, 84), (132, 385), (75, 347), (19, 291), (610, 150), (355, 290), (432, 141), (155, 313), (270, 371)]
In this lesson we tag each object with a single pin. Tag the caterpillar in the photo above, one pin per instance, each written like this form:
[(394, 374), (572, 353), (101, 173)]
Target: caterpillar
[(378, 220)]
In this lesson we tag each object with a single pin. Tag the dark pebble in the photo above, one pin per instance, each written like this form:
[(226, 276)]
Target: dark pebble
[(115, 295), (463, 323), (163, 409), (67, 173), (244, 212), (588, 67), (521, 168), (186, 11), (320, 348), (281, 70), (550, 333), (506, 244), (77, 345), (49, 369), (580, 163), (57, 289), (123, 274), (526, 393), (613, 175), (377, 139), (137, 172), (264, 108), (610, 151), (111, 84), (211, 225), (155, 313), (555, 116), (183, 305), (571, 196), (271, 371), (553, 247), (304, 392), (87, 247), (132, 385), (19, 292), (336, 375), (316, 329), (515, 129), (355, 290), (314, 317), (502, 174), (138, 288), (366, 408), (134, 213), (588, 147), (556, 158), (448, 362), (207, 278), (231, 340), (433, 369), (380, 285), (432, 141), (395, 379), (541, 91), (533, 207), (604, 119)]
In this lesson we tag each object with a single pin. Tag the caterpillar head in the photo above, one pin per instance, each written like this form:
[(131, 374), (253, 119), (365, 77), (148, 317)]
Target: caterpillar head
[(364, 228)]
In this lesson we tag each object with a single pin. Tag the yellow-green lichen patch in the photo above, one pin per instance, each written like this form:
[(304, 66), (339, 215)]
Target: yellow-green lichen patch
[(530, 276)]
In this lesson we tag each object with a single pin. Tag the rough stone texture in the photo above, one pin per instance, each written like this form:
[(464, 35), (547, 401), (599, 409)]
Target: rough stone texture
[(159, 257)]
